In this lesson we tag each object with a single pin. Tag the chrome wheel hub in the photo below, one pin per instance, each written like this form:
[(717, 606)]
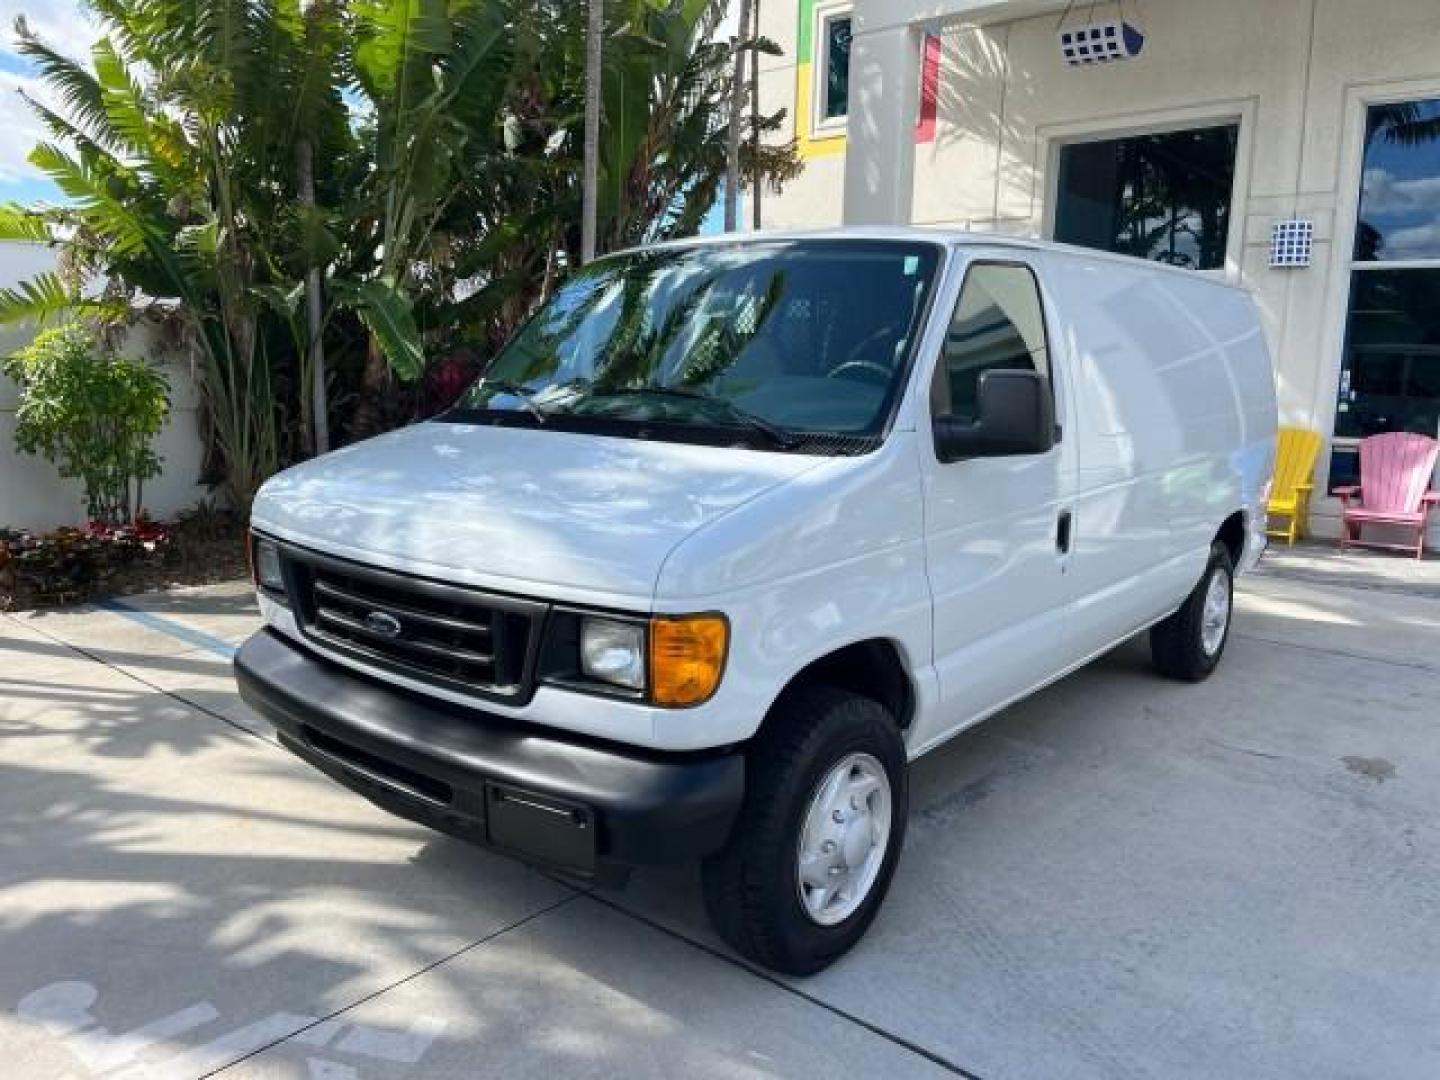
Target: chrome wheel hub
[(843, 839), (1215, 619)]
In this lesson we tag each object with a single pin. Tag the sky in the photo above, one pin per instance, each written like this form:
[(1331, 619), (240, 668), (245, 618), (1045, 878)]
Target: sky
[(62, 26)]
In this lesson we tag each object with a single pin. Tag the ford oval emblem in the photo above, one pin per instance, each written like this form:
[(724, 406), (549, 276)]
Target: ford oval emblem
[(383, 623)]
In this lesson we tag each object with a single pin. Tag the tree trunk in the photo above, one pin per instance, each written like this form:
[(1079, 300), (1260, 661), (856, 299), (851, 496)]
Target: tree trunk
[(594, 36), (737, 109), (755, 114), (314, 315), (369, 418)]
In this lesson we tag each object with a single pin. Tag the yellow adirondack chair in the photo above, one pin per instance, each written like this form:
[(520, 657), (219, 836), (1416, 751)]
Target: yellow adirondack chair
[(1290, 493)]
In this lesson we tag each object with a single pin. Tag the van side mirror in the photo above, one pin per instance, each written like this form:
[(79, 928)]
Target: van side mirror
[(1017, 416)]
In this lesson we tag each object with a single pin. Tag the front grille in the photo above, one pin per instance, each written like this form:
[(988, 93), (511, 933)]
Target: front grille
[(444, 634)]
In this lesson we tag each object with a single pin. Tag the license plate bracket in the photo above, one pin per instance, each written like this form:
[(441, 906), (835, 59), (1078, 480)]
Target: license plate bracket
[(541, 828)]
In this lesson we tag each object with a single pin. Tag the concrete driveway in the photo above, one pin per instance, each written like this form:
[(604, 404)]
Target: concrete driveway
[(1122, 877)]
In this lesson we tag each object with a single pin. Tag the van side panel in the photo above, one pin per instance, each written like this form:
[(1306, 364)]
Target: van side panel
[(1173, 391), (1231, 444)]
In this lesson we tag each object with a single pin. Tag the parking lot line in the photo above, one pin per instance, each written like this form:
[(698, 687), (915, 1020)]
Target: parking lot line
[(174, 628), (299, 1032)]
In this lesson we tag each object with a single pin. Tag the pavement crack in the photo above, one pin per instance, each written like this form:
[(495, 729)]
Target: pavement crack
[(411, 977), (1368, 584), (789, 988), (1247, 750), (1410, 665)]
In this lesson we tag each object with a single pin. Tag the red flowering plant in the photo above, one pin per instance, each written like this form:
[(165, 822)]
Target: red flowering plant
[(140, 535), (55, 567), (447, 380), (67, 564)]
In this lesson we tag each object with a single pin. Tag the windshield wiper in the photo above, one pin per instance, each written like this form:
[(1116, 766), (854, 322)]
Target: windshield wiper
[(777, 435), (519, 390)]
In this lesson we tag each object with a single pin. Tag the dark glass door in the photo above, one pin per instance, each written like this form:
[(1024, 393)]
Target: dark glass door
[(1390, 371)]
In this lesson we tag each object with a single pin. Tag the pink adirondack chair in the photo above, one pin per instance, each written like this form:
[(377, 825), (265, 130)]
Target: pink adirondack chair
[(1395, 472)]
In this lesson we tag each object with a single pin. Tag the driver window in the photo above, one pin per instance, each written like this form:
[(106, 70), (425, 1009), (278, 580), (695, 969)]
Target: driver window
[(998, 323)]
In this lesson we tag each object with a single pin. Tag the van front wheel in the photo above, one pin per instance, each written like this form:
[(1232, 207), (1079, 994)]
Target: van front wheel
[(1188, 645), (816, 842)]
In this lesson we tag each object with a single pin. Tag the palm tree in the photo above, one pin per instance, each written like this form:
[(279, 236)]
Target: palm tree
[(317, 104), (594, 43), (1403, 123), (755, 120), (737, 110), (153, 204), (435, 76), (320, 191)]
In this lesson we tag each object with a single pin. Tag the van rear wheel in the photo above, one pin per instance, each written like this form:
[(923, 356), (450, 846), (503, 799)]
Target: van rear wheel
[(1188, 645), (815, 846)]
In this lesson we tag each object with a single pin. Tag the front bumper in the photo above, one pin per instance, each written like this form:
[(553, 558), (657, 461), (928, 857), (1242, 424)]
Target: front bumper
[(580, 806)]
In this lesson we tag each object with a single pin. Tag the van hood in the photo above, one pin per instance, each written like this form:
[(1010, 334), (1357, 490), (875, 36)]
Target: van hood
[(519, 509)]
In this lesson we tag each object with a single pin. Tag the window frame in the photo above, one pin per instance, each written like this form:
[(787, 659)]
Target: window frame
[(1238, 112), (822, 126), (1359, 101), (940, 378), (1095, 139)]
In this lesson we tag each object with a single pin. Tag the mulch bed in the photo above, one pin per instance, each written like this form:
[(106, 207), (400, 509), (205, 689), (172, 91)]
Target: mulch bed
[(70, 566)]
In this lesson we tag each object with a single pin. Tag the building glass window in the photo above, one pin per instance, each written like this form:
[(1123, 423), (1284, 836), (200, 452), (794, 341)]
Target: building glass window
[(1400, 187), (1390, 371), (835, 98), (1164, 196)]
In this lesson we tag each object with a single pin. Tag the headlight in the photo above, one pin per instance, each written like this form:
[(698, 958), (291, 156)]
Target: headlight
[(613, 652), (687, 658), (267, 566)]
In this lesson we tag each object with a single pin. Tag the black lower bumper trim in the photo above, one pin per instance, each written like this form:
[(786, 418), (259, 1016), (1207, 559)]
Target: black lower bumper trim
[(584, 808)]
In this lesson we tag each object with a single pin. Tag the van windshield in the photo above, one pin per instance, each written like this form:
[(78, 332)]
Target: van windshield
[(799, 345)]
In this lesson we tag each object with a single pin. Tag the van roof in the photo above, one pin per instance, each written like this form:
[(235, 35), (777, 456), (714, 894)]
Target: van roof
[(954, 238)]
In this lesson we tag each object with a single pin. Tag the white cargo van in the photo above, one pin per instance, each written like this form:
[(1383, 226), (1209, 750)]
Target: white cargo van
[(732, 531)]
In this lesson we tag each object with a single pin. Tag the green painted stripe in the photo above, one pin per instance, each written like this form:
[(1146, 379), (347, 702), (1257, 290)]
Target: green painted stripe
[(807, 26)]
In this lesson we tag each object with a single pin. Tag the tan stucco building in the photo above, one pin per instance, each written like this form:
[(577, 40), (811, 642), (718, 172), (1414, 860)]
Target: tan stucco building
[(1229, 118)]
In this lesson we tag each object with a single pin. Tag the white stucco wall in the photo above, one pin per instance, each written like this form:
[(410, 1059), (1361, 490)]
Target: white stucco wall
[(1296, 74), (32, 494), (813, 200)]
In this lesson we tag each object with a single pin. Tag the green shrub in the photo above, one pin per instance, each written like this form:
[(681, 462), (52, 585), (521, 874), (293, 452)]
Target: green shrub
[(93, 416)]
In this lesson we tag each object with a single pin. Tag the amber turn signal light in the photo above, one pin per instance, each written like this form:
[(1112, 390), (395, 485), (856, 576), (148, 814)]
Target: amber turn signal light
[(687, 658)]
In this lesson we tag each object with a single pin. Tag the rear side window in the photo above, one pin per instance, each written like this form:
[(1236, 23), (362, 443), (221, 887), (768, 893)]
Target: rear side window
[(999, 322)]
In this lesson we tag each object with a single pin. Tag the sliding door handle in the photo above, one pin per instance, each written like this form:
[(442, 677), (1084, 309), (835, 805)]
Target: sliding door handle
[(1063, 529)]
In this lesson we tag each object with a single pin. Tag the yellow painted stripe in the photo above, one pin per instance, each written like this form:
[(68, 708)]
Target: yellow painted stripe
[(820, 146)]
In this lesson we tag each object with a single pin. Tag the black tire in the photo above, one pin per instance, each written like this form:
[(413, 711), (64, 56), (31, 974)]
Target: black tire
[(1177, 645), (750, 886)]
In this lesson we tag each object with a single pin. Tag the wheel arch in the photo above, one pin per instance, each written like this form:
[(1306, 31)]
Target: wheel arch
[(874, 668), (1232, 533)]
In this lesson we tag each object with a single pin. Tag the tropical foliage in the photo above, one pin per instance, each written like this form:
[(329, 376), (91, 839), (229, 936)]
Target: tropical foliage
[(339, 209), (93, 416)]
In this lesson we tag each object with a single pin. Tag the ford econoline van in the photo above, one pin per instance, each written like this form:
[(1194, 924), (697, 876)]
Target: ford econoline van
[(732, 531)]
